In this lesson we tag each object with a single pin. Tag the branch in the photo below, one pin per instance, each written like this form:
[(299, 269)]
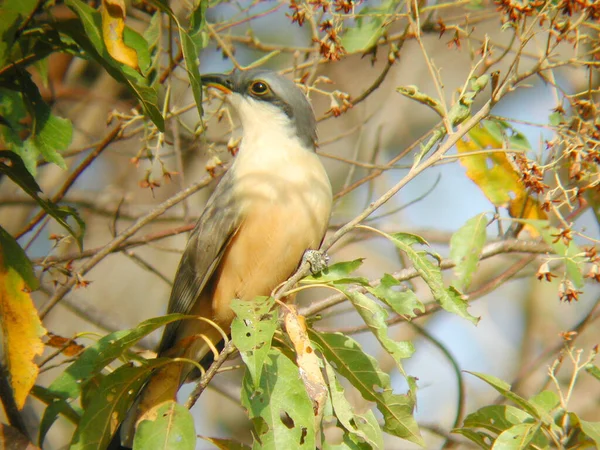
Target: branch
[(210, 373), (490, 250), (119, 240)]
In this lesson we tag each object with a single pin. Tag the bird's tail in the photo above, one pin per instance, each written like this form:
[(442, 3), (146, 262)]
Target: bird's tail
[(162, 386)]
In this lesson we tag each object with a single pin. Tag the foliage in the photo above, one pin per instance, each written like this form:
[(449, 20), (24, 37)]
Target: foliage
[(304, 383)]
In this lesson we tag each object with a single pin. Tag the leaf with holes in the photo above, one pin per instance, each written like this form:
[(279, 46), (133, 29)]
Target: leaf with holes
[(403, 302), (252, 330), (279, 407)]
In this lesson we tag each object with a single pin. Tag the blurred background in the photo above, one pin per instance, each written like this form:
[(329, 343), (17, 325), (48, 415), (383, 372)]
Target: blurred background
[(518, 335)]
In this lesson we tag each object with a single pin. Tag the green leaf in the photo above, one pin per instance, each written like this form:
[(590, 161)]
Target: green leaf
[(172, 428), (13, 15), (109, 405), (190, 54), (504, 389), (69, 384), (338, 273), (449, 298), (590, 429), (374, 316), (88, 35), (252, 331), (545, 401), (517, 437), (480, 438), (503, 132), (368, 426), (465, 249), (593, 371), (57, 406), (363, 372), (133, 39), (191, 44), (12, 166), (48, 134), (367, 31), (500, 420), (402, 302), (97, 356), (364, 427), (280, 408), (14, 256), (496, 418)]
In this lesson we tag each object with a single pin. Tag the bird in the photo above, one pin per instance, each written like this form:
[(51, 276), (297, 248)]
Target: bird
[(270, 207)]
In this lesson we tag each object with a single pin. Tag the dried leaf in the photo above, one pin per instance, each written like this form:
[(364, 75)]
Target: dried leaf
[(68, 346), (22, 331), (113, 26), (308, 362)]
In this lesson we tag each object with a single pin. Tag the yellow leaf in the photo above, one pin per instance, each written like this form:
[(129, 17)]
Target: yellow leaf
[(21, 332), (113, 25), (492, 172), (496, 177)]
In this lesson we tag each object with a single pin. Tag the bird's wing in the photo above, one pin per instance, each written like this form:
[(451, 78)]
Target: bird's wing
[(206, 245)]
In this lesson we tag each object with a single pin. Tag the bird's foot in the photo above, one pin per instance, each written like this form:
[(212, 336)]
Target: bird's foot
[(318, 260)]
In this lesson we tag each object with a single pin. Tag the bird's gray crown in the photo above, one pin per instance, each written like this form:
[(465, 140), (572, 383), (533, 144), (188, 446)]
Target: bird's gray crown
[(268, 86)]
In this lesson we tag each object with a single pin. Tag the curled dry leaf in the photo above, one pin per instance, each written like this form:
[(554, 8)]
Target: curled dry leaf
[(307, 360)]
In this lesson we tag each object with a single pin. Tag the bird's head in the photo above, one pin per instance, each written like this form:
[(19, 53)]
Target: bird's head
[(265, 100)]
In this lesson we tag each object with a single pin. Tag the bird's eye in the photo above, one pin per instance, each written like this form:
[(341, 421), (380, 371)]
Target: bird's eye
[(259, 88)]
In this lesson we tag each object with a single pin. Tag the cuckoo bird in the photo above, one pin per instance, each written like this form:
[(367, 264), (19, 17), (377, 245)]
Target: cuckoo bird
[(271, 206)]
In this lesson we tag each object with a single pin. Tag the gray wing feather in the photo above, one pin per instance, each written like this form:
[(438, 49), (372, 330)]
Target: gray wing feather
[(206, 245)]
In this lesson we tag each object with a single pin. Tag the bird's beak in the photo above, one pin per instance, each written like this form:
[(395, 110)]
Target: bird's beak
[(218, 80)]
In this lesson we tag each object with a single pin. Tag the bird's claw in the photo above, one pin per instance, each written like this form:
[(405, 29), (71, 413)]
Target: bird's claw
[(318, 260)]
